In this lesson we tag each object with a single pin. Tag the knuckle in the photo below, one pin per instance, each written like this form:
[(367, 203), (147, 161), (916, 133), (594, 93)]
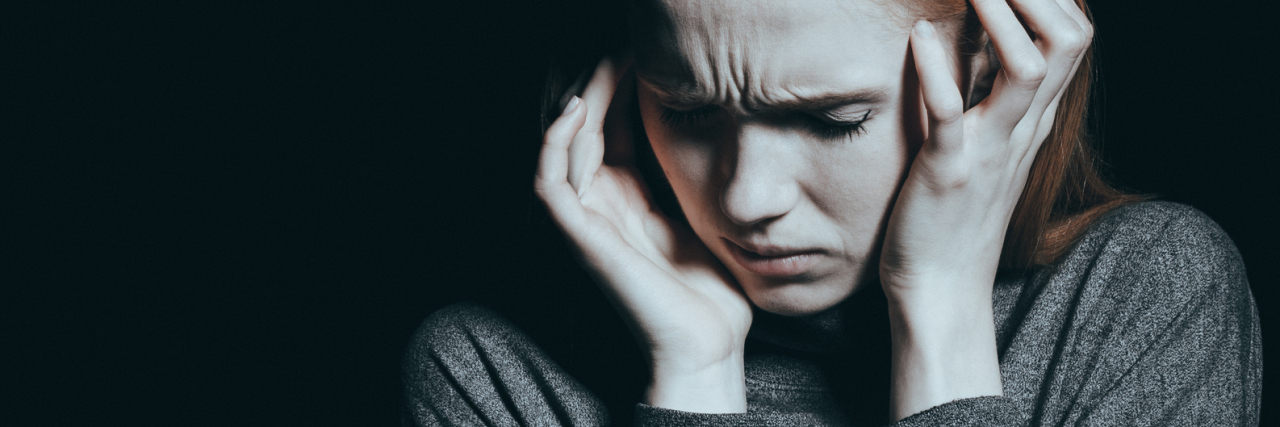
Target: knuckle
[(544, 186), (948, 113), (1074, 41), (1028, 69), (589, 132), (951, 166), (540, 188), (554, 135)]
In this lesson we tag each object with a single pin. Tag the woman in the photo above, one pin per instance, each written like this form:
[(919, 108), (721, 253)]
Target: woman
[(819, 149)]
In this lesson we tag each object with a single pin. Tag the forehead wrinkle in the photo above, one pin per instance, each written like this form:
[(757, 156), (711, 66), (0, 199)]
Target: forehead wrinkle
[(719, 55), (795, 99), (726, 61), (725, 69)]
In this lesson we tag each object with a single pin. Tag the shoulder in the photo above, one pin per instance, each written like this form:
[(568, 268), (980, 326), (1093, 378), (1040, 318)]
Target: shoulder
[(1162, 258), (1167, 238), (1148, 317), (1171, 223)]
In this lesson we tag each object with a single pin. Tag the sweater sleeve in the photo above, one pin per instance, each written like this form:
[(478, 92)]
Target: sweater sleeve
[(650, 416), (1170, 337), (977, 411)]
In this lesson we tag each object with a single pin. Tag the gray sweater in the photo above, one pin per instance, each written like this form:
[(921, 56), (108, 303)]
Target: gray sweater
[(1147, 321)]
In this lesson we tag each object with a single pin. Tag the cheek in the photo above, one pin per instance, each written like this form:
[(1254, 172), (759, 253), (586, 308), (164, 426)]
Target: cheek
[(855, 185), (858, 185)]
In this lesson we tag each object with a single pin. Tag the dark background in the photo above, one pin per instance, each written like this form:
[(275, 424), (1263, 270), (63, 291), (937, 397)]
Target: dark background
[(237, 213)]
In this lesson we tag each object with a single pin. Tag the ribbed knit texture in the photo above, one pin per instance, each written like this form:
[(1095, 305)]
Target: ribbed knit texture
[(1147, 321)]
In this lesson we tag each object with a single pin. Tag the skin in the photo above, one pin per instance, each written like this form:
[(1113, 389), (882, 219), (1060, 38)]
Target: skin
[(922, 195), (753, 172)]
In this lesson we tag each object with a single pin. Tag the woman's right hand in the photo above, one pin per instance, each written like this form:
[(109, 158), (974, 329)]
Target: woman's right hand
[(688, 312)]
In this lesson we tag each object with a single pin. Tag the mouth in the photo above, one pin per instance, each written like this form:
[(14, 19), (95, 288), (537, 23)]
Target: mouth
[(773, 261)]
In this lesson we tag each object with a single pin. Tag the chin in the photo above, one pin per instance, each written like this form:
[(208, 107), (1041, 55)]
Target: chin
[(797, 299)]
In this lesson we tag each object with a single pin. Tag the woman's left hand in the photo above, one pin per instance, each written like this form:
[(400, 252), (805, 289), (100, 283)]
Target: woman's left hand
[(944, 237)]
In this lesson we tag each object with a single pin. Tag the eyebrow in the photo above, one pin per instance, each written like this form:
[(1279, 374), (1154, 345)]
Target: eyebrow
[(676, 96)]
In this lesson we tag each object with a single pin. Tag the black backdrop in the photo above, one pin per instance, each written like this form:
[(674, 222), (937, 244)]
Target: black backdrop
[(237, 213)]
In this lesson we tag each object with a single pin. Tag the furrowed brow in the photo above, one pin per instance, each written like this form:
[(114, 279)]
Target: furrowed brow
[(680, 97)]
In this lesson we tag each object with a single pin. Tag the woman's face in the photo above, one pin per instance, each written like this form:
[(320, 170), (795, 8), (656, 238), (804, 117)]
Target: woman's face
[(785, 129)]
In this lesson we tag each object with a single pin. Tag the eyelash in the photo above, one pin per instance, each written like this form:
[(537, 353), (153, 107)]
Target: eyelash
[(830, 131), (818, 127)]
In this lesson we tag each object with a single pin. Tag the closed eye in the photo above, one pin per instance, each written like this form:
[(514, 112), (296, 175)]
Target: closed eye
[(838, 130), (817, 126)]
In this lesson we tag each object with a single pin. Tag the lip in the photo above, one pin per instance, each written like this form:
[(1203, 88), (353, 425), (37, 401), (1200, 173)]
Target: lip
[(773, 261)]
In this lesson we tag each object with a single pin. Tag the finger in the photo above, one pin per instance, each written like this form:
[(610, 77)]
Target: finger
[(942, 98), (1023, 67), (587, 150), (1079, 15), (1046, 120), (1062, 42), (1082, 19), (551, 181)]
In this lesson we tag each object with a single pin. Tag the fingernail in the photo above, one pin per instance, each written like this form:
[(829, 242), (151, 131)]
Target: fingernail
[(924, 28), (573, 103)]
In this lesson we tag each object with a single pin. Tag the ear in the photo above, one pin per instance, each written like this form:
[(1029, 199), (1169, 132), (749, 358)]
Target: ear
[(983, 65)]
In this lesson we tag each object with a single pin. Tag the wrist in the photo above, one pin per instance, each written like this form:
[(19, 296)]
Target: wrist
[(923, 310), (710, 388), (961, 296), (943, 328), (944, 347)]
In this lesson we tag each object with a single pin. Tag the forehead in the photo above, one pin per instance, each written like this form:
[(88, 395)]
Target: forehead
[(760, 50)]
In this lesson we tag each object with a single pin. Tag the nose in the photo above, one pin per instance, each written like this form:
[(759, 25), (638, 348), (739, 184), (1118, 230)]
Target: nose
[(760, 184)]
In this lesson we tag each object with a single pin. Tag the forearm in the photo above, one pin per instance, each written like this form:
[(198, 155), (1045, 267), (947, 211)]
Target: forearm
[(943, 349)]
